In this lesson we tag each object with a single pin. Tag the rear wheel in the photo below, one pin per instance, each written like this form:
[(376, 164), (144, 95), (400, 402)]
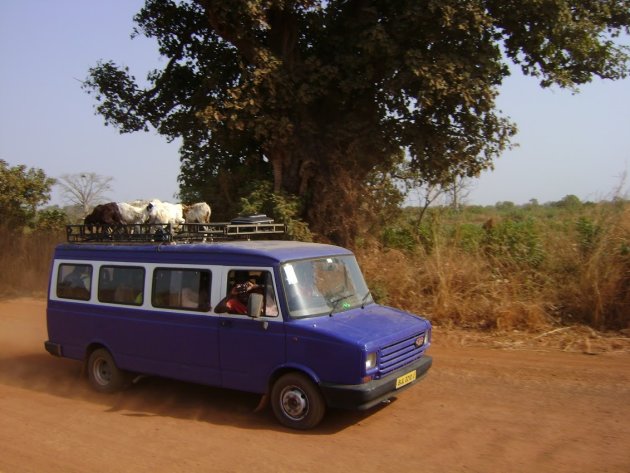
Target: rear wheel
[(297, 402), (103, 373)]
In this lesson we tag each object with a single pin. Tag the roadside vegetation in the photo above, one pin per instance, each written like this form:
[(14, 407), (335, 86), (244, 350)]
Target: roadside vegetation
[(507, 267), (536, 268)]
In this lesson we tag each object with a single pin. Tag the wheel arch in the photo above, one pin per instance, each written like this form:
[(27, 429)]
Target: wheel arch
[(281, 371), (91, 348)]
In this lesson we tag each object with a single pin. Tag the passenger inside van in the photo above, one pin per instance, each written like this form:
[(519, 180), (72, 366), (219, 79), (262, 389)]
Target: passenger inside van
[(76, 284), (78, 278), (190, 298), (236, 301)]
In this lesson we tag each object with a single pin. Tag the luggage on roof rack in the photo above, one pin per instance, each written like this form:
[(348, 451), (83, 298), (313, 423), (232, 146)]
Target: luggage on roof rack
[(185, 233), (251, 219)]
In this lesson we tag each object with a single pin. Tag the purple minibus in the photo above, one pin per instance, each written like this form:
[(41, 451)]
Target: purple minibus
[(292, 321)]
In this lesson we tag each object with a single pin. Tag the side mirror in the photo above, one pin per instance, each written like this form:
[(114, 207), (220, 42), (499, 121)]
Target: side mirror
[(255, 305)]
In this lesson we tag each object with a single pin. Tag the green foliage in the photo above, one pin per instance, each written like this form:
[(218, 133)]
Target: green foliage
[(588, 233), (223, 189), (427, 233), (569, 202), (401, 238), (22, 190), (284, 209), (469, 237), (475, 209), (505, 206), (382, 199), (51, 219), (515, 242), (321, 93), (532, 204)]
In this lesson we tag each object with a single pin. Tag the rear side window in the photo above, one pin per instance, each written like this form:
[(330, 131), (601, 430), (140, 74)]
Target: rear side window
[(187, 289), (74, 281), (121, 285)]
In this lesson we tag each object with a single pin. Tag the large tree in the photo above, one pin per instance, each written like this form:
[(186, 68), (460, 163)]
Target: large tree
[(321, 97)]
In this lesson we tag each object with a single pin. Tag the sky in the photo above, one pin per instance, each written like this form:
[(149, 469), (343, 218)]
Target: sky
[(567, 143)]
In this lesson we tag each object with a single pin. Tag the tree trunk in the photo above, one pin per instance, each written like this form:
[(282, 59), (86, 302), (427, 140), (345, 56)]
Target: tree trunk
[(334, 198), (277, 163)]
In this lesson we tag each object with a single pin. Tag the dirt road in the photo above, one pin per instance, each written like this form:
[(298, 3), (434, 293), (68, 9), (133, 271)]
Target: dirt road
[(479, 410)]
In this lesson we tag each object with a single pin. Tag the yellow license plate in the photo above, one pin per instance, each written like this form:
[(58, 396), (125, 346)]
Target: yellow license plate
[(405, 379)]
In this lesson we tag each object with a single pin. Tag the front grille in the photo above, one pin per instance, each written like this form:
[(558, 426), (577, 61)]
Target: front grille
[(399, 354)]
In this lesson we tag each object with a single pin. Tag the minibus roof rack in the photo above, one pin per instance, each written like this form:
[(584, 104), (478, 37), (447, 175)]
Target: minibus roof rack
[(244, 228)]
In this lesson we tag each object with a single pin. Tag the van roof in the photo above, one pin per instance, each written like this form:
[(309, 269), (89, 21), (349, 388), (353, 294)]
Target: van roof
[(224, 252)]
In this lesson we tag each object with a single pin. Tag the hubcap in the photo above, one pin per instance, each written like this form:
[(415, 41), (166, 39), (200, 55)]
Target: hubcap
[(102, 373), (294, 402)]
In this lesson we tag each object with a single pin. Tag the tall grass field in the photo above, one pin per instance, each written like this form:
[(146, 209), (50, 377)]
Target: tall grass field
[(507, 267)]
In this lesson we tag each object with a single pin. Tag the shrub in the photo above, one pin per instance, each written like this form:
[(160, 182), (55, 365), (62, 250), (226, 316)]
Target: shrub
[(400, 238), (588, 234), (469, 237), (283, 208), (51, 219), (515, 242)]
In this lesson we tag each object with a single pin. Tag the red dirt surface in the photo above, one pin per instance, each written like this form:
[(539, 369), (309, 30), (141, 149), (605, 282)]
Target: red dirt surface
[(479, 410)]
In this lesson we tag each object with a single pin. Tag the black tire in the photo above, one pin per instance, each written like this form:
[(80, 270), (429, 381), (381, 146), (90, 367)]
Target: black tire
[(104, 375), (297, 402)]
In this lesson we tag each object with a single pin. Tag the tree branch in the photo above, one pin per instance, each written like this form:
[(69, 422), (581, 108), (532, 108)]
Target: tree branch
[(230, 32)]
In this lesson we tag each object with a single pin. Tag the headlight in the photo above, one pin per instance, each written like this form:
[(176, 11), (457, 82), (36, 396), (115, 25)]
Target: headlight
[(370, 361), (427, 337)]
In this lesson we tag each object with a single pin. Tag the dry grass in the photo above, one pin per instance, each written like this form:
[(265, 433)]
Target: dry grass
[(573, 339), (598, 291), (25, 260), (570, 301), (454, 289), (582, 281)]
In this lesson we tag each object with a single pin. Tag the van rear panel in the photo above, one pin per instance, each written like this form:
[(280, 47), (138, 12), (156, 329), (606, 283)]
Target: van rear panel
[(179, 346)]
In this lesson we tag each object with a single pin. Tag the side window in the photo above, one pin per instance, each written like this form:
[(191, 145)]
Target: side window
[(242, 283), (121, 285), (187, 289), (74, 281)]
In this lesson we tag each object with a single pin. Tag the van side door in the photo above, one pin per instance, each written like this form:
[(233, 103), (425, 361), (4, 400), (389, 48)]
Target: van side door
[(250, 348)]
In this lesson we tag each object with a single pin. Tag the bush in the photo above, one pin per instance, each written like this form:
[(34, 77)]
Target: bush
[(398, 238), (515, 242), (283, 208), (588, 234), (51, 219), (469, 237)]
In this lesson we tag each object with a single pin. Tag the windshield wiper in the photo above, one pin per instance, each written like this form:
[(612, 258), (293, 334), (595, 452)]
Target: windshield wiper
[(337, 301)]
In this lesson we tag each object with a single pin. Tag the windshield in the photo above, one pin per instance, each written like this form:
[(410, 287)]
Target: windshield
[(324, 286)]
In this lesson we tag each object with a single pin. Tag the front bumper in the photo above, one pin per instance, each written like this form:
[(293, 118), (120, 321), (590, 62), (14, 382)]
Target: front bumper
[(365, 396)]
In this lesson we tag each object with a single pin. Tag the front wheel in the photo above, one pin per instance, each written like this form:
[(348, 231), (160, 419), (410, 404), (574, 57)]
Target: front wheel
[(103, 373), (297, 402)]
